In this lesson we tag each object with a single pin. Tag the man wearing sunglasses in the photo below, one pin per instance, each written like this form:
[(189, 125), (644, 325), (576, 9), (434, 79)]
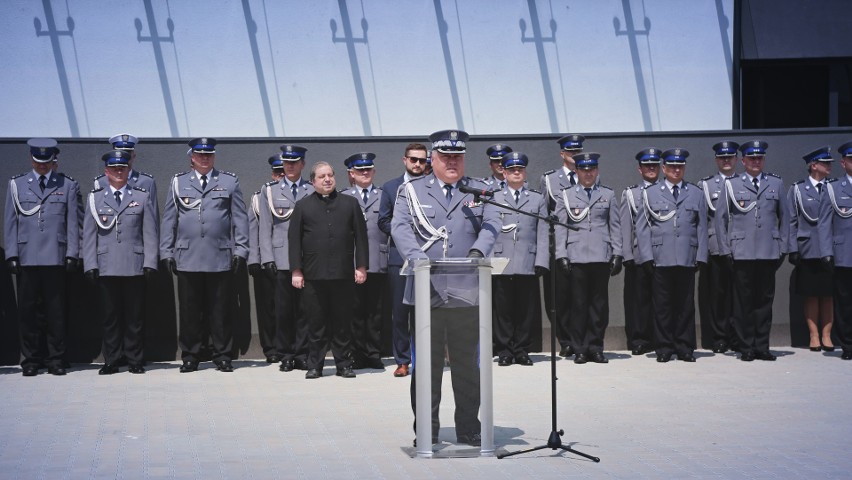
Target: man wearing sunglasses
[(402, 318)]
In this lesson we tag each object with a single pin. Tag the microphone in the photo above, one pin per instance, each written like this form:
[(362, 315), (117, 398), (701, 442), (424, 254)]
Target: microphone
[(476, 192)]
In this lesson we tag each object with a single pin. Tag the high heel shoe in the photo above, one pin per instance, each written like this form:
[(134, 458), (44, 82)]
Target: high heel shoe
[(829, 348), (816, 349)]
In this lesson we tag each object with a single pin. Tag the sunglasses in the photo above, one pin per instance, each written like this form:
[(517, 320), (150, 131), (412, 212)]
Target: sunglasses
[(418, 160)]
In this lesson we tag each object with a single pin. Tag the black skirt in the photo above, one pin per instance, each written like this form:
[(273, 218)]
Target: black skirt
[(813, 279)]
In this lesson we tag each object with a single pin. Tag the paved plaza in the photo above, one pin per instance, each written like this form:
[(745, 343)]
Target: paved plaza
[(717, 418)]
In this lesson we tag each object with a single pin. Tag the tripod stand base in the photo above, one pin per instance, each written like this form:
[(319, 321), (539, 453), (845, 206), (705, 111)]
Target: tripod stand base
[(554, 442)]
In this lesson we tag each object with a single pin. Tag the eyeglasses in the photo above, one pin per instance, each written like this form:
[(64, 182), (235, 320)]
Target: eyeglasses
[(418, 160)]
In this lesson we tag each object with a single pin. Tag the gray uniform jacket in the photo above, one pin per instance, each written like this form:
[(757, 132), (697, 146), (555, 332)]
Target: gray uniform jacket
[(119, 240), (134, 179), (42, 228), (275, 220), (254, 226), (803, 202), (522, 239), (674, 232), (751, 224), (466, 224), (598, 236), (631, 197), (835, 222), (712, 187), (557, 181), (378, 240), (203, 230)]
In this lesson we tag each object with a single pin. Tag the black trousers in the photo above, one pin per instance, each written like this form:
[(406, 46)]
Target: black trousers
[(563, 306), (402, 317), (843, 307), (674, 308), (264, 305), (638, 308), (458, 329), (754, 292), (369, 317), (590, 306), (327, 305), (123, 303), (205, 301), (715, 290), (291, 326), (516, 306), (45, 285)]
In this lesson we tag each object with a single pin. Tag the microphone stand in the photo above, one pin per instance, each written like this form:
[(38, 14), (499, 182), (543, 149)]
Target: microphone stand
[(554, 441)]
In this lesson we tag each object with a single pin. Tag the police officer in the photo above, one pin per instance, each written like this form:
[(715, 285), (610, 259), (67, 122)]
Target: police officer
[(638, 311), (551, 185), (120, 241), (835, 229), (277, 200), (42, 236), (402, 318), (812, 280), (369, 296), (752, 225), (714, 278), (523, 240), (127, 142), (434, 219), (264, 286), (205, 243), (672, 238), (496, 152), (588, 256)]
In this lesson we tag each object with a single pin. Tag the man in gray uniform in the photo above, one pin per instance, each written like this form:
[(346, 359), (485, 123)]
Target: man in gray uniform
[(496, 152), (523, 240), (835, 230), (714, 278), (127, 142), (551, 185), (434, 219), (638, 311), (120, 241), (672, 237), (752, 223), (588, 256), (42, 236), (369, 296), (205, 243), (277, 200)]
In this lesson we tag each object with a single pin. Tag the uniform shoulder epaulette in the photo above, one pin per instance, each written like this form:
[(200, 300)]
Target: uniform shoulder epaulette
[(415, 179), (66, 176), (476, 180), (228, 173), (533, 191), (605, 186), (772, 175), (96, 190), (548, 172), (141, 189), (631, 187), (146, 174), (271, 183), (708, 178), (690, 183), (831, 180), (645, 187), (256, 193), (182, 173), (18, 175), (99, 177), (799, 182)]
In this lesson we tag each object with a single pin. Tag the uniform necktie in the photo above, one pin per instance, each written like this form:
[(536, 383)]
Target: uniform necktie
[(755, 182), (675, 191), (819, 187), (449, 195), (502, 184), (118, 197), (204, 182), (364, 195), (589, 192), (293, 188), (517, 196), (41, 182), (573, 181)]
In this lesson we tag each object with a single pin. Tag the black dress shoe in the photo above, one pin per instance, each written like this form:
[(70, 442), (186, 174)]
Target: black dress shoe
[(664, 357), (580, 358), (566, 352), (598, 357), (639, 350), (524, 360), (313, 373), (224, 366), (472, 439), (108, 369), (375, 363), (188, 367), (768, 356), (686, 357), (747, 356), (59, 370), (300, 364), (847, 355), (273, 359), (815, 349), (286, 366), (136, 369), (720, 347), (30, 371), (504, 361), (345, 372)]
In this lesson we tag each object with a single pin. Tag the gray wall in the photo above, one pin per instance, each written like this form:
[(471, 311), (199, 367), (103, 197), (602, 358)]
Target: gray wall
[(80, 158)]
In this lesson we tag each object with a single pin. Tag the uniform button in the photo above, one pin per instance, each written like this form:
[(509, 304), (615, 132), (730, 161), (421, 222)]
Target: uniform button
[(450, 245), (449, 217)]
